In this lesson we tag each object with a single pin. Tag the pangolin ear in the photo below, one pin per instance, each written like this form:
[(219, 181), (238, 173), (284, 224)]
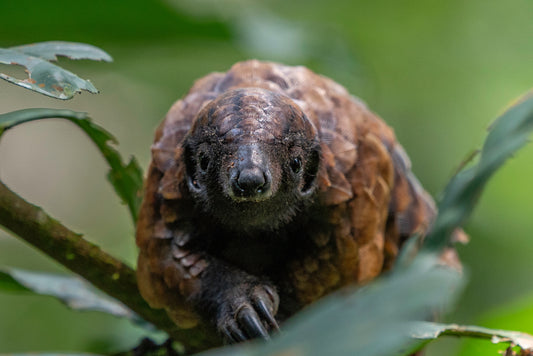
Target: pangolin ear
[(190, 166), (311, 171), (188, 158)]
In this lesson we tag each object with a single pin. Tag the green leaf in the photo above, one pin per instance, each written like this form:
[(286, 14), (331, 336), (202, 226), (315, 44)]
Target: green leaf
[(50, 50), (10, 284), (126, 179), (47, 78), (430, 331), (372, 320), (14, 118), (509, 133), (73, 291)]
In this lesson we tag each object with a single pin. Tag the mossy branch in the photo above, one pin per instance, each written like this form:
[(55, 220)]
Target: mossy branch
[(110, 275)]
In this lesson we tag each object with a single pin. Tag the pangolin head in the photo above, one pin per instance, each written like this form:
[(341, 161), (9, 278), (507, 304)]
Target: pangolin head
[(252, 158)]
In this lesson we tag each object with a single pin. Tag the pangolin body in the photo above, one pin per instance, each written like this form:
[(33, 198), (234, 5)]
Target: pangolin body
[(269, 187)]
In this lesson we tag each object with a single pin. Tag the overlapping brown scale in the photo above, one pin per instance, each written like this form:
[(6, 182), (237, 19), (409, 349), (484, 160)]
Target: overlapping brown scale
[(148, 213), (378, 160), (348, 255), (409, 221), (150, 286), (158, 294), (329, 277), (312, 277), (334, 263), (253, 74), (163, 149), (316, 100), (392, 244), (182, 314), (207, 83), (168, 212), (173, 274), (333, 186), (371, 259), (162, 154), (327, 156), (157, 256), (339, 190), (414, 209), (161, 230), (177, 283), (321, 239), (174, 271), (348, 115), (371, 181), (401, 196), (171, 185), (344, 151)]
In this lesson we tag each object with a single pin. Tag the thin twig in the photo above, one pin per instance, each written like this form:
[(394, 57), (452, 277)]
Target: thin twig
[(110, 275)]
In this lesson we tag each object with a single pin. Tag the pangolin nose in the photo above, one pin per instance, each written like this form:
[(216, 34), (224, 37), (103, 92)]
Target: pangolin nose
[(250, 182)]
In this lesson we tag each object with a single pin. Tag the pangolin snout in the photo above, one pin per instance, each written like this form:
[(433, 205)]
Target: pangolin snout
[(250, 183), (250, 178)]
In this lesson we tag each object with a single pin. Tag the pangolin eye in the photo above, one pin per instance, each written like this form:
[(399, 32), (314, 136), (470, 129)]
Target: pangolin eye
[(204, 162), (296, 164)]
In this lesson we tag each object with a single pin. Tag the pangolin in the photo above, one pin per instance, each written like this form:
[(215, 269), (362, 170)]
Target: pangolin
[(269, 187)]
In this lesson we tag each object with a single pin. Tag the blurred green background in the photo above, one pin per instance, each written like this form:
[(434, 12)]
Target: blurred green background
[(438, 72)]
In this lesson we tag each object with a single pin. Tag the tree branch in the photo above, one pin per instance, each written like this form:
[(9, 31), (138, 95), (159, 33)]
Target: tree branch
[(110, 275)]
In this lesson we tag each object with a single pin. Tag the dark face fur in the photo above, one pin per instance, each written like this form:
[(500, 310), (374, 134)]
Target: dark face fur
[(252, 159)]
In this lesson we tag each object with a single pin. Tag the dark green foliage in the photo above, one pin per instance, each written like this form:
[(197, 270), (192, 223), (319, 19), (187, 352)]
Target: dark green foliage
[(508, 134)]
